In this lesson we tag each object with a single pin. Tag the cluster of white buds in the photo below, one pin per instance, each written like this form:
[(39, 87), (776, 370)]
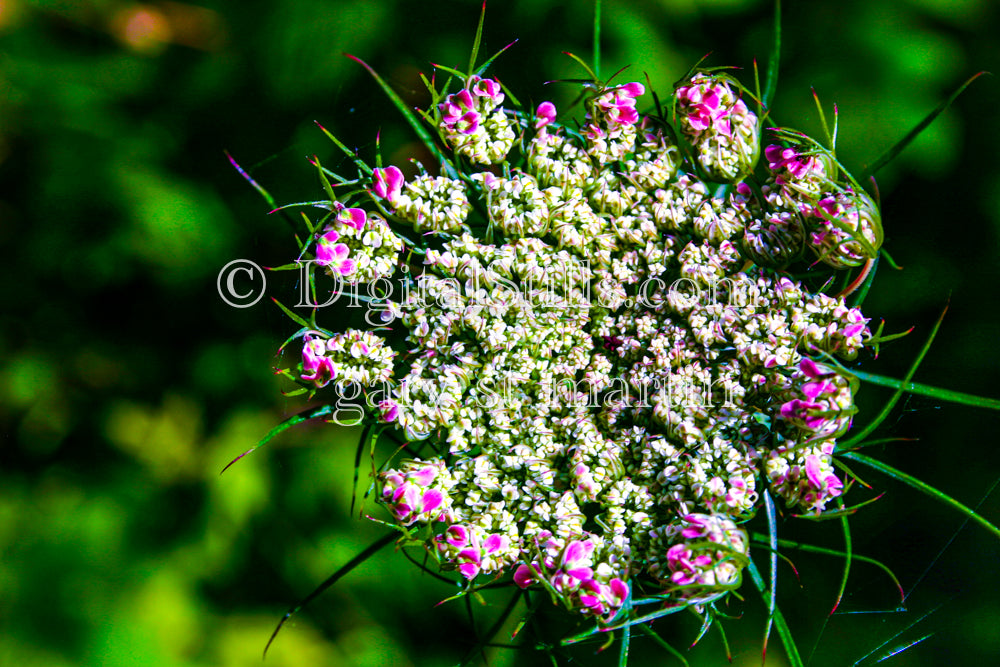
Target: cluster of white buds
[(848, 229), (604, 360), (354, 356), (358, 247), (724, 134), (474, 124), (611, 130), (842, 224), (433, 204), (706, 562)]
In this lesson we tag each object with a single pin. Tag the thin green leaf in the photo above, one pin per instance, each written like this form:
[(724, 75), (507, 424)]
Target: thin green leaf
[(321, 411), (324, 181), (494, 629), (756, 88), (772, 531), (310, 226), (884, 253), (771, 85), (900, 145), (293, 266), (790, 544), (663, 644), (597, 39), (862, 293), (887, 408), (410, 117), (513, 100), (706, 625), (478, 40), (849, 551), (923, 487), (910, 625), (296, 318), (461, 76), (878, 338), (254, 184), (370, 551), (575, 639), (260, 190), (725, 642), (822, 121), (593, 75), (839, 513), (927, 390), (366, 435), (626, 642), (903, 647), (489, 61), (424, 569), (779, 619), (317, 204), (346, 151), (879, 441)]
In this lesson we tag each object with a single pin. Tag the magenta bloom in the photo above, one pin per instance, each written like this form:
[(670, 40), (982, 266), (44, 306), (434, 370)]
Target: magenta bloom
[(389, 410), (778, 156), (618, 105), (524, 575), (799, 410), (794, 163), (490, 88), (702, 105), (316, 367), (459, 113), (334, 256), (545, 114), (387, 183), (353, 217)]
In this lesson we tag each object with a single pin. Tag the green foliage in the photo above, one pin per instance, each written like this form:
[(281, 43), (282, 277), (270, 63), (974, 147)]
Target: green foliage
[(126, 384)]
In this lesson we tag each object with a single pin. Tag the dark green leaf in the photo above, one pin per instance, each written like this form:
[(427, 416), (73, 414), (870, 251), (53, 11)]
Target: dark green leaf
[(887, 408), (411, 118), (779, 619), (900, 145), (597, 39), (770, 87), (296, 318), (927, 390), (489, 61), (370, 551), (321, 411), (478, 40), (347, 151), (663, 644), (922, 487)]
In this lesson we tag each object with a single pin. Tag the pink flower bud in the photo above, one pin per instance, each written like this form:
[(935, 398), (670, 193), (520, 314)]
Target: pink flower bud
[(545, 114), (387, 183), (524, 576), (353, 217)]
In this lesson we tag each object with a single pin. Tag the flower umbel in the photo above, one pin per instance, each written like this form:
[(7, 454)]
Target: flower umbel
[(614, 338)]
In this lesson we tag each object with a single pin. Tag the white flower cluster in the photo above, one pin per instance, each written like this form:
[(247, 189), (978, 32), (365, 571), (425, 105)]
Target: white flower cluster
[(606, 380), (724, 133), (435, 204), (358, 247), (354, 356), (474, 125)]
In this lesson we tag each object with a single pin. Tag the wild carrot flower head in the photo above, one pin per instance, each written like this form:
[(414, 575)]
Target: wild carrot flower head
[(602, 360)]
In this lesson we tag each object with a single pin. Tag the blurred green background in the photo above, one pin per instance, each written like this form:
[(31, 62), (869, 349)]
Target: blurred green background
[(126, 383)]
